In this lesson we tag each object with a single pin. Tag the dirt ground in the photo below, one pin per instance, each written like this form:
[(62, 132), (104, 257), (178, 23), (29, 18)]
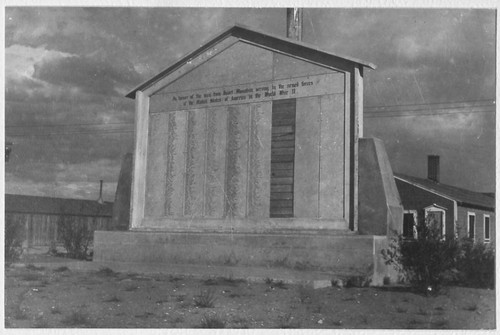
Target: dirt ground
[(37, 297)]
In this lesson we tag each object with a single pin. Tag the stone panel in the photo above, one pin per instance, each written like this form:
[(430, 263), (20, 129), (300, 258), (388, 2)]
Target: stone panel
[(240, 63), (216, 163), (176, 164), (156, 166), (331, 191), (259, 160), (285, 67), (195, 163), (307, 136), (237, 161), (251, 92)]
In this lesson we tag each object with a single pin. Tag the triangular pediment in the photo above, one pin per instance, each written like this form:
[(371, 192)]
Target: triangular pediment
[(240, 64), (261, 46)]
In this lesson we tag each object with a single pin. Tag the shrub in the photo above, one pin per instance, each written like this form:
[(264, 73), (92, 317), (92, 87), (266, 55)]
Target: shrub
[(53, 248), (31, 277), (14, 236), (40, 322), (131, 287), (212, 321), (55, 310), (304, 294), (113, 298), (286, 322), (106, 272), (20, 313), (33, 267), (401, 310), (205, 299), (231, 281), (76, 237), (78, 318), (357, 281), (425, 261), (280, 284), (471, 308), (476, 264)]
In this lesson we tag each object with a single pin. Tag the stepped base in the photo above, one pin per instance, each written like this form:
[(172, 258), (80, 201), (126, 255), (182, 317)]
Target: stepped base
[(334, 255)]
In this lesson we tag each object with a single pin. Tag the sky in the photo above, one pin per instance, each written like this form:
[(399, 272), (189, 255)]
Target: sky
[(67, 70)]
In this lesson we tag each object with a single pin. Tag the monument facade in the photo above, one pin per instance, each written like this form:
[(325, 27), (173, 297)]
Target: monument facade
[(251, 130), (246, 158)]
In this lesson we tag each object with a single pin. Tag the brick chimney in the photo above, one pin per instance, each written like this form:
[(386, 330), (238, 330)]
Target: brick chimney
[(433, 168)]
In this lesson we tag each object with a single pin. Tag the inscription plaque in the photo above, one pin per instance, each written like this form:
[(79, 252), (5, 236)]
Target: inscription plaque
[(297, 87)]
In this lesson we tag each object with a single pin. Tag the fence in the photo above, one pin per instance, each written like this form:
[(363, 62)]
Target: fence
[(41, 229)]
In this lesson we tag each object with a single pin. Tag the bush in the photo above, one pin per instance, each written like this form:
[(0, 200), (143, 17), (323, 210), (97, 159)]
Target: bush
[(212, 321), (425, 261), (205, 299), (78, 318), (76, 237), (14, 236), (476, 265)]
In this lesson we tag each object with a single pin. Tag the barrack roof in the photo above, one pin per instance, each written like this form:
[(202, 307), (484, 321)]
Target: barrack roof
[(462, 196)]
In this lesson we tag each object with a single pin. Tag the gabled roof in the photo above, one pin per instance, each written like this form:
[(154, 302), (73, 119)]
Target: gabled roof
[(46, 205), (462, 196), (278, 43)]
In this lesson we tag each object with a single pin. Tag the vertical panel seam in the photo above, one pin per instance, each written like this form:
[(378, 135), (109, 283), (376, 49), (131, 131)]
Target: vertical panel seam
[(165, 173), (183, 198), (293, 160), (187, 152), (205, 164), (226, 198), (319, 155), (170, 115), (249, 130)]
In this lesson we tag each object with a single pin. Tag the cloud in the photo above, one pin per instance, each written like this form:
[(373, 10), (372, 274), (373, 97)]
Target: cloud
[(95, 170), (465, 142), (34, 26), (91, 76), (16, 185), (71, 145), (72, 190), (433, 79), (67, 65), (22, 59), (450, 53), (74, 180), (136, 42), (21, 62), (71, 66)]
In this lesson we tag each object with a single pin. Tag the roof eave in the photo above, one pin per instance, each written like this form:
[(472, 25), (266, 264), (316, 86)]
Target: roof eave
[(475, 206), (305, 45), (214, 39), (459, 202)]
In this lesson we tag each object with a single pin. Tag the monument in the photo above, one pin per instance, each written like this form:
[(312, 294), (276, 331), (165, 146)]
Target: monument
[(246, 157)]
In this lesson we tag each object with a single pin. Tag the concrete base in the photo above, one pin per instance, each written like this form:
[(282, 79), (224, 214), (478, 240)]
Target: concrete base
[(296, 257)]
